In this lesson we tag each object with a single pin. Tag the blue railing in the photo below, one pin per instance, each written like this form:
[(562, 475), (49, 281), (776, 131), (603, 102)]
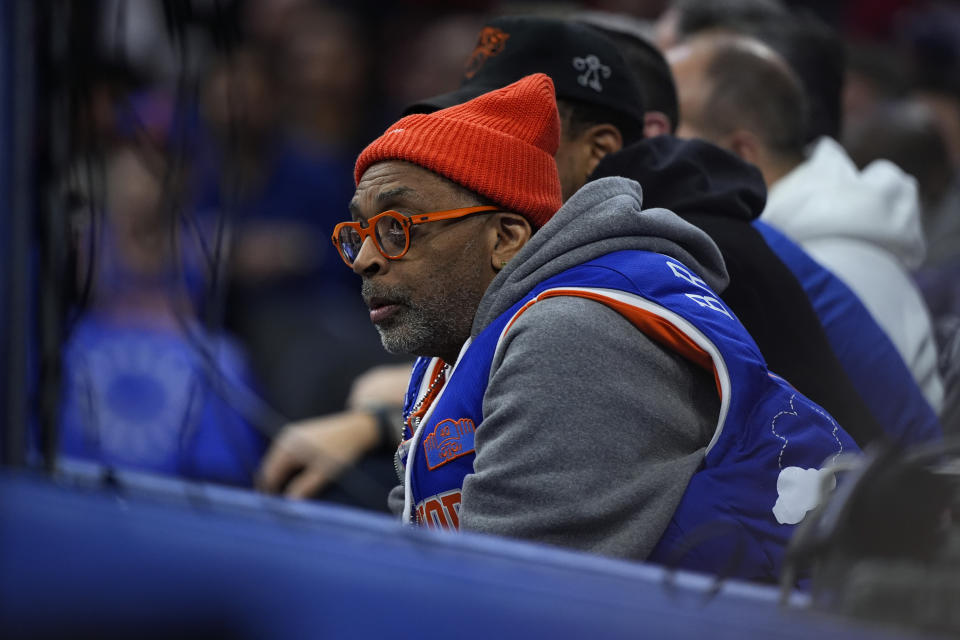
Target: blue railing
[(99, 555)]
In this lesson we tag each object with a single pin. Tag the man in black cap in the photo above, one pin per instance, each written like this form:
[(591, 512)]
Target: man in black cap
[(601, 107), (651, 73)]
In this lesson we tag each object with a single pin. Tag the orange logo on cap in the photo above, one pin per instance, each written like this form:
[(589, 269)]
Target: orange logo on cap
[(489, 43)]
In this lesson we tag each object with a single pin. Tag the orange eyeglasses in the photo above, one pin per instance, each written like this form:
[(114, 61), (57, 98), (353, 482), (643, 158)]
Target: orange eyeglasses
[(390, 231)]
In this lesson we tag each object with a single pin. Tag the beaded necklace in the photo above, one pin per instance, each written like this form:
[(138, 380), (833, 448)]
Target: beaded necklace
[(420, 408)]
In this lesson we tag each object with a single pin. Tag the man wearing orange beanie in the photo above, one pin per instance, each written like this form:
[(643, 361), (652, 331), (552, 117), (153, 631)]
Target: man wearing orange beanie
[(579, 382)]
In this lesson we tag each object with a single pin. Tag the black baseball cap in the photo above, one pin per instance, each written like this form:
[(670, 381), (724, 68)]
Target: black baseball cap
[(583, 63)]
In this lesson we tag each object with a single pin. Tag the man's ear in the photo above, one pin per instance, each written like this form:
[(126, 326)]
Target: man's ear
[(655, 123), (744, 144), (603, 139), (511, 231)]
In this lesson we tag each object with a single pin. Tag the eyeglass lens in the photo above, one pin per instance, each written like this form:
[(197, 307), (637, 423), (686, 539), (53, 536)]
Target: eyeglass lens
[(349, 243), (391, 236)]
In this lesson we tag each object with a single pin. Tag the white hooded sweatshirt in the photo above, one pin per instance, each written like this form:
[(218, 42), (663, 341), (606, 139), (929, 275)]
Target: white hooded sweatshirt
[(865, 228)]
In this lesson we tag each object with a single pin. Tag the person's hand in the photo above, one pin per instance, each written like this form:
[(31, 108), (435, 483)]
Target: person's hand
[(381, 386), (307, 455)]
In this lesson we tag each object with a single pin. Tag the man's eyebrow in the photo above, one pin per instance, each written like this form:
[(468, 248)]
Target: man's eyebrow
[(396, 192), (382, 197)]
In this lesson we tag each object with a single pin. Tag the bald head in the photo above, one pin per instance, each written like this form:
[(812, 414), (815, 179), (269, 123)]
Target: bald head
[(740, 94)]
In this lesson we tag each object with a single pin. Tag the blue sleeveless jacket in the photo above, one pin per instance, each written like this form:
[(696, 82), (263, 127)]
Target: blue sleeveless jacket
[(761, 472), (871, 361)]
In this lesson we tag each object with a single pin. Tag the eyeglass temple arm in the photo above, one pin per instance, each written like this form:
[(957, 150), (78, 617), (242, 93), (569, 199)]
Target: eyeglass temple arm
[(435, 216)]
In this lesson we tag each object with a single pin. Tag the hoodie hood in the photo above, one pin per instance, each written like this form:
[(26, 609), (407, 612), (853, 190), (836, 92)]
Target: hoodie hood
[(603, 217), (828, 197), (689, 177)]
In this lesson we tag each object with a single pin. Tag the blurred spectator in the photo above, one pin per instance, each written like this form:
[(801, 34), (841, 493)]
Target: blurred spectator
[(322, 68), (431, 62), (914, 121), (285, 122), (906, 132), (145, 386), (285, 106), (275, 236), (812, 49), (875, 74), (281, 188), (931, 37)]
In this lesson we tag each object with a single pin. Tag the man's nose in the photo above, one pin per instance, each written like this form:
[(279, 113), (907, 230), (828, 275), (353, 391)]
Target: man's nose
[(369, 260)]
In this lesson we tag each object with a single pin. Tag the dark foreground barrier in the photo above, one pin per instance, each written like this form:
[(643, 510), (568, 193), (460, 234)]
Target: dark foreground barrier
[(147, 557)]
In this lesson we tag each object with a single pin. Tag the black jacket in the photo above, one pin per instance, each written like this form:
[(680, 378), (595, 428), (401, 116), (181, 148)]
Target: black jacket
[(721, 194)]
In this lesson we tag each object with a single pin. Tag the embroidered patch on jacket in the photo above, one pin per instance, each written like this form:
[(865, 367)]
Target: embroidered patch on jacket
[(489, 43), (441, 511), (449, 440)]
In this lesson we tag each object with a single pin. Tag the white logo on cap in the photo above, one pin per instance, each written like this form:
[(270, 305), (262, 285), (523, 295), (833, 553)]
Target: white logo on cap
[(592, 69)]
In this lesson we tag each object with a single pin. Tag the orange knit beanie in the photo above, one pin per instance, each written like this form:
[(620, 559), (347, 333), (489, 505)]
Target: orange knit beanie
[(499, 145)]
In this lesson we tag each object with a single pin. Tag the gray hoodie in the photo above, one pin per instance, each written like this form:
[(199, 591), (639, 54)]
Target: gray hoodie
[(591, 431)]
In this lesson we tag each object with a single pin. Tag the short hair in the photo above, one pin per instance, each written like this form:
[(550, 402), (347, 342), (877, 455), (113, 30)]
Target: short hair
[(649, 68), (750, 86), (577, 116), (808, 44)]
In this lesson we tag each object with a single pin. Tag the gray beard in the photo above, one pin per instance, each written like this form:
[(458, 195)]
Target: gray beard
[(440, 323), (437, 325)]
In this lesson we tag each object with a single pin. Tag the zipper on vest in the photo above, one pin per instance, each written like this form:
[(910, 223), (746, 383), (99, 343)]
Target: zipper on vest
[(404, 449)]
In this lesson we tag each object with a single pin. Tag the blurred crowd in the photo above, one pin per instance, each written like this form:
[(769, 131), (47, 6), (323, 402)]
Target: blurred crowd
[(212, 147)]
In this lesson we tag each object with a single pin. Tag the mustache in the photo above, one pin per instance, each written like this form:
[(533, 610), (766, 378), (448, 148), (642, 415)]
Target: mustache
[(370, 292)]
